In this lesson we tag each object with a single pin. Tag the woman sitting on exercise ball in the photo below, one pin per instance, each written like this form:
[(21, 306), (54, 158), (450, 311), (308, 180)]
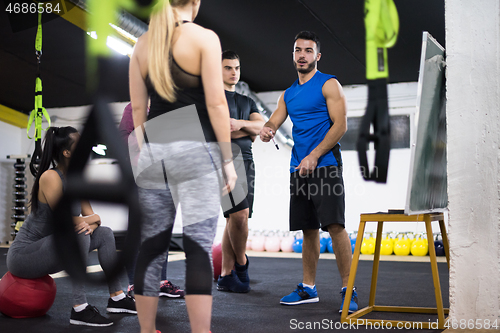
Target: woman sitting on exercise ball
[(33, 253)]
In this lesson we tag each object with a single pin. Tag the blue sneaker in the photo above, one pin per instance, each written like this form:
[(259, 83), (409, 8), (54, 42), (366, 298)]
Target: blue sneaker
[(353, 306), (301, 295)]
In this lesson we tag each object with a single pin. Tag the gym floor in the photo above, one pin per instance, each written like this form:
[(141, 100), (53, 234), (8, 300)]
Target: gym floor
[(273, 275)]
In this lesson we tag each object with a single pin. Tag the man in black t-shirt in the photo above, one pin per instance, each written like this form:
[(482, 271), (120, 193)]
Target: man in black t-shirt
[(246, 123)]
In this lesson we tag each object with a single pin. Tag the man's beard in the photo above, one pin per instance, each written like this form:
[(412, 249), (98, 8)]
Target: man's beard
[(307, 69)]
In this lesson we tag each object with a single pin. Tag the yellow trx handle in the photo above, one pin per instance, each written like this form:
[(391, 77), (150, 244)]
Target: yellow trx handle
[(37, 113), (382, 27)]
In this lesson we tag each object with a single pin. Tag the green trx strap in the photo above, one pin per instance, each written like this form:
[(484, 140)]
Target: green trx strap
[(382, 26), (39, 111)]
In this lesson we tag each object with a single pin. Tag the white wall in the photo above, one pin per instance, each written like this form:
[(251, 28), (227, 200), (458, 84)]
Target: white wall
[(473, 93)]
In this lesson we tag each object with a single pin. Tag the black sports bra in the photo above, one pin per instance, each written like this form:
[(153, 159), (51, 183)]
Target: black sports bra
[(182, 78)]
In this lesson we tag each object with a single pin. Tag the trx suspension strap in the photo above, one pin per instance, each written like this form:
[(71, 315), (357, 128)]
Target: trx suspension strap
[(382, 25), (100, 127), (39, 111)]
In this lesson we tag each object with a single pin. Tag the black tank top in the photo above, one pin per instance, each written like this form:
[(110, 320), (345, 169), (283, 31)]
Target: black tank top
[(189, 91)]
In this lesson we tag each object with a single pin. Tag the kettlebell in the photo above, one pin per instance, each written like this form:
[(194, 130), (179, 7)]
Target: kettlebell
[(297, 244), (323, 242), (329, 245), (272, 243), (402, 245), (368, 245), (420, 246), (258, 242), (438, 246), (353, 237), (286, 244), (386, 247), (411, 237)]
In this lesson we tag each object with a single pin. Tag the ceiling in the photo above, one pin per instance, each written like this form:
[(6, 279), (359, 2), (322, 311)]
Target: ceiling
[(260, 31)]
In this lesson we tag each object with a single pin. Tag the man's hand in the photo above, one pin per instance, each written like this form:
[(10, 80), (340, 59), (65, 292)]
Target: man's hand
[(307, 165), (266, 134), (236, 125)]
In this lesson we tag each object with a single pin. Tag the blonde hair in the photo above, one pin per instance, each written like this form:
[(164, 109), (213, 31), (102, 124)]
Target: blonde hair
[(161, 28)]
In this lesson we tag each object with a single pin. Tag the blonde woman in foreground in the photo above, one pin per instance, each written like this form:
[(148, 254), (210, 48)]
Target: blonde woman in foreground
[(177, 64)]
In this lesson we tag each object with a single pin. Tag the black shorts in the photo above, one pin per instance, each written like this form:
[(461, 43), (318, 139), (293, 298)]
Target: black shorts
[(318, 199), (250, 184)]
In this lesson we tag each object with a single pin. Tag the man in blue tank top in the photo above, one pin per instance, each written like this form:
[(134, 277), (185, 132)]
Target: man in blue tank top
[(317, 107)]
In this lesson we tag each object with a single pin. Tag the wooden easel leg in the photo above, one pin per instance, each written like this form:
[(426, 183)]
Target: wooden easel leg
[(376, 261), (435, 274), (352, 273), (446, 245)]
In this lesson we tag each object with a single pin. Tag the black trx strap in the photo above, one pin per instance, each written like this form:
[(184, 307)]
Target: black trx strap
[(382, 25), (100, 127), (378, 115)]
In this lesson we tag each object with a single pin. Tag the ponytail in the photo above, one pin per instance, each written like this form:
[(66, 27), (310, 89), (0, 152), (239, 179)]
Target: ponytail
[(161, 28), (56, 141)]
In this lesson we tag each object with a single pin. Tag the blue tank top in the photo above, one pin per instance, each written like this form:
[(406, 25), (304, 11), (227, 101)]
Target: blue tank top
[(307, 109)]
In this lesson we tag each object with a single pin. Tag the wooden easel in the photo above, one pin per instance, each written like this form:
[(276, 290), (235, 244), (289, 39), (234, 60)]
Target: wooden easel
[(380, 218)]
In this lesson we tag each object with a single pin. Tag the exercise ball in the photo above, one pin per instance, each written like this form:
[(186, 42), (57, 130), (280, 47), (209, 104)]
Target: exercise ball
[(26, 298), (217, 259)]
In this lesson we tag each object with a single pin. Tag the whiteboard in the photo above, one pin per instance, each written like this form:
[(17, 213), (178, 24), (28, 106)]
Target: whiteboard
[(427, 185)]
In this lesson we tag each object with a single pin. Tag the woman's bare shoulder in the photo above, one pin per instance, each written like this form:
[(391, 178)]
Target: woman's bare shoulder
[(49, 175), (201, 34)]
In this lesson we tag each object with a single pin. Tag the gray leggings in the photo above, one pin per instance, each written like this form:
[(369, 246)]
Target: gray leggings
[(190, 168), (37, 259)]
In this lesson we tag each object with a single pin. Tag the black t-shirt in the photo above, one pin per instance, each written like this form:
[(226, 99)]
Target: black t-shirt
[(240, 107)]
